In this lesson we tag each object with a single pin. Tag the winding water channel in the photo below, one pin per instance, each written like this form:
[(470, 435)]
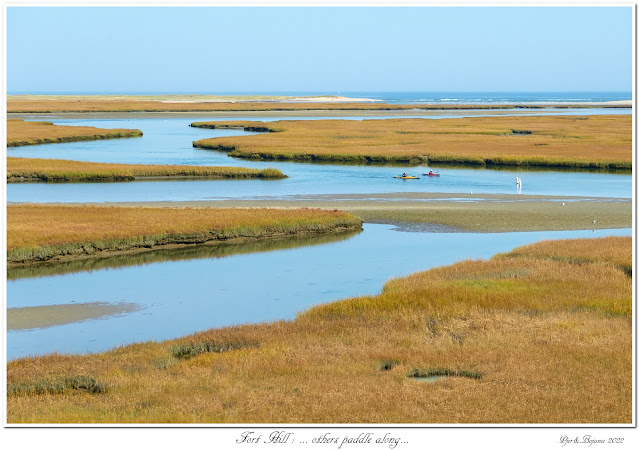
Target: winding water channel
[(169, 141), (95, 305), (178, 297)]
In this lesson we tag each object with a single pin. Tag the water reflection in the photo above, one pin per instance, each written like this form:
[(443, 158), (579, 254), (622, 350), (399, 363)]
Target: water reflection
[(217, 250)]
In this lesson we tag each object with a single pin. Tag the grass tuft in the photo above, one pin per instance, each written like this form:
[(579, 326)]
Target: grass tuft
[(444, 372), (387, 364), (80, 383), (182, 351), (164, 363)]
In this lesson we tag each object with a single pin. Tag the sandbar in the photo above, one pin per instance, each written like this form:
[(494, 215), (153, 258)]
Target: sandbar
[(30, 317), (453, 211)]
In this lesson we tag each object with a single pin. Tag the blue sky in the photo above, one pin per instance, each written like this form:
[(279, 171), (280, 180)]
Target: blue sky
[(210, 50)]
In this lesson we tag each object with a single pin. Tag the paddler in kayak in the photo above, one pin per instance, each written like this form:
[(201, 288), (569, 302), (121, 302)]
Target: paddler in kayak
[(431, 172), (407, 177)]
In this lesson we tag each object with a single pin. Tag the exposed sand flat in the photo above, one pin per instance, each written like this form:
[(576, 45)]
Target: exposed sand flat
[(51, 315), (464, 212), (332, 98), (615, 102), (325, 99), (162, 98), (437, 196), (177, 98)]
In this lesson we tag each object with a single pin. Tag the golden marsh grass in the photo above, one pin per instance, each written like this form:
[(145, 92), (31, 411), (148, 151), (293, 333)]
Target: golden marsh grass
[(42, 232), (532, 328), (604, 251), (35, 169), (21, 133), (602, 142)]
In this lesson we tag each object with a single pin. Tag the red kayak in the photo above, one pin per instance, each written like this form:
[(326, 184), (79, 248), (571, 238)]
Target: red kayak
[(433, 174)]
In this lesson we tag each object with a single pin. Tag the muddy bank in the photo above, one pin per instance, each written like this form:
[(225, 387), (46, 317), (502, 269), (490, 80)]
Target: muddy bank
[(464, 212)]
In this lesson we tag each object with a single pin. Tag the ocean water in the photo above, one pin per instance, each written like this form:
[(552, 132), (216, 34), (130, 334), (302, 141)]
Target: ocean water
[(492, 97), (399, 97)]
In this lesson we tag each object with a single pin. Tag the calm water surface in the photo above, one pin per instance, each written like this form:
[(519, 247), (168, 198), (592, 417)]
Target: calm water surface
[(169, 141), (179, 297)]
